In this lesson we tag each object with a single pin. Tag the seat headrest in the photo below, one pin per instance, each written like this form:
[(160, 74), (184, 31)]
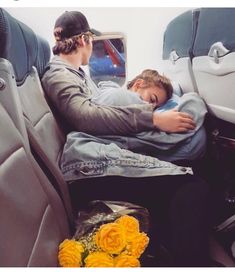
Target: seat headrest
[(22, 47), (43, 55), (180, 34), (215, 25)]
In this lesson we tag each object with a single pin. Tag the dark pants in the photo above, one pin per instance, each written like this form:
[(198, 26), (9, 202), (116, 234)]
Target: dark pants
[(178, 206)]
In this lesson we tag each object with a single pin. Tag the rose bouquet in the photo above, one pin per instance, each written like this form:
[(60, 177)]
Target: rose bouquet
[(110, 235)]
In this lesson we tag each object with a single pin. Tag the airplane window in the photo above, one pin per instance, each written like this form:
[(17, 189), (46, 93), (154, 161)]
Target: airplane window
[(107, 62)]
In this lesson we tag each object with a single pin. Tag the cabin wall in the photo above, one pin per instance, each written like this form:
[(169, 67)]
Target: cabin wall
[(142, 27)]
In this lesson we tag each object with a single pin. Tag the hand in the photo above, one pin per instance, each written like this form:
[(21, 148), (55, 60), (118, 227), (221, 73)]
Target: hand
[(173, 121)]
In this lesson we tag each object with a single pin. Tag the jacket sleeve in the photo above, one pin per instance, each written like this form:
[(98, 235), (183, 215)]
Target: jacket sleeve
[(71, 98)]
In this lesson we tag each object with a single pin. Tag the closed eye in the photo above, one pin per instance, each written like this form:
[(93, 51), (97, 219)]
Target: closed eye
[(154, 100)]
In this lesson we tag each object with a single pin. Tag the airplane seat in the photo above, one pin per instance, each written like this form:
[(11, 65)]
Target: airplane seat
[(214, 69), (43, 56), (177, 57), (33, 219), (9, 97), (214, 61), (178, 41), (45, 136), (42, 59)]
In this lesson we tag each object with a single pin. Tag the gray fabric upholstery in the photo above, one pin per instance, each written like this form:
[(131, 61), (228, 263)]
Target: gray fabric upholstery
[(24, 57), (46, 138), (178, 43), (33, 219), (180, 34), (214, 25), (214, 61)]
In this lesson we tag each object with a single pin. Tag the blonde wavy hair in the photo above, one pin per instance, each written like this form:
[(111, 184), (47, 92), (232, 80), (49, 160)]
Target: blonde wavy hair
[(153, 78)]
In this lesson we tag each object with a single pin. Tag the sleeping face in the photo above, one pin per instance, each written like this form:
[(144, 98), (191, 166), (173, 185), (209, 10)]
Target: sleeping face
[(153, 95)]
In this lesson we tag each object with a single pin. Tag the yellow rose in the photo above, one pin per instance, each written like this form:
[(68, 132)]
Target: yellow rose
[(130, 224), (124, 260), (70, 253), (99, 259), (137, 246), (111, 238)]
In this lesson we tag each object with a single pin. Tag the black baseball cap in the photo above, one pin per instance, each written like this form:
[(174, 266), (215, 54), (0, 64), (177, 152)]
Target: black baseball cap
[(72, 23)]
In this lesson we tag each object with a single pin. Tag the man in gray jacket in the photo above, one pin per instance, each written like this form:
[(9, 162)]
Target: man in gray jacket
[(177, 204)]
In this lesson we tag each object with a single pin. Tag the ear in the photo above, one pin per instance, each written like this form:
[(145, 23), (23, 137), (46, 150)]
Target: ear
[(82, 42), (138, 84)]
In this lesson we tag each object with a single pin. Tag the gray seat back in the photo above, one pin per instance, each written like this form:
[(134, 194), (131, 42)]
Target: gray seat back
[(177, 46), (214, 61), (33, 219), (46, 138)]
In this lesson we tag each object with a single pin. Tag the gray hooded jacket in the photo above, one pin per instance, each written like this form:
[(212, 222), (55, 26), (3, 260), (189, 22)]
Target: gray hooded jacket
[(70, 90)]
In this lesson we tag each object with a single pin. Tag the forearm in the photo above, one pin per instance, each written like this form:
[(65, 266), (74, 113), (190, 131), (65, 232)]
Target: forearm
[(193, 104), (103, 120)]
